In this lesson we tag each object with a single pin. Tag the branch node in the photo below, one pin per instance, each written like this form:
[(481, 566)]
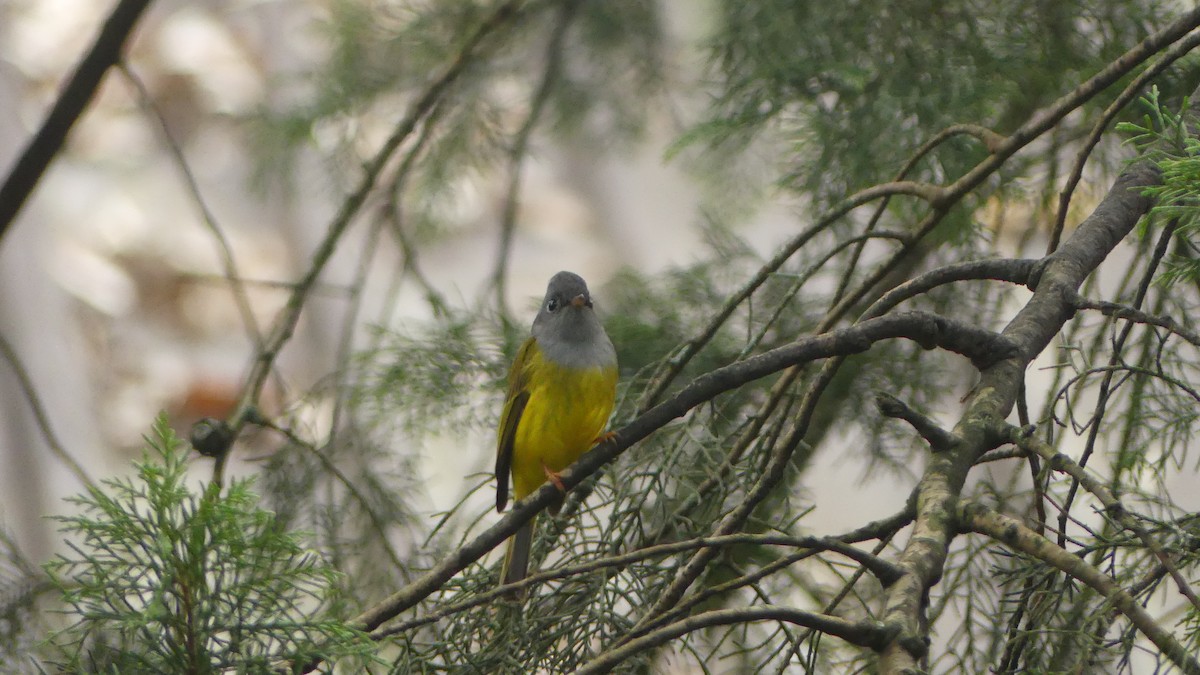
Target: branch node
[(915, 645), (211, 437), (938, 438)]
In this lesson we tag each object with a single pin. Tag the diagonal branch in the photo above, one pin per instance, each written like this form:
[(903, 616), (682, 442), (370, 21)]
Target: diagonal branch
[(1056, 279), (870, 634), (978, 518), (224, 250), (806, 546), (927, 329), (502, 16), (75, 96), (1131, 91), (675, 365), (1060, 462), (39, 415)]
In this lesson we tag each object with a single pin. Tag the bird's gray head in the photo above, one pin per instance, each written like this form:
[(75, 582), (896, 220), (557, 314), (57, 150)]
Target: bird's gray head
[(566, 326)]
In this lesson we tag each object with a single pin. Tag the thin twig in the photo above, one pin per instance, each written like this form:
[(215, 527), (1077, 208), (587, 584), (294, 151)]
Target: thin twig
[(333, 469), (395, 216), (674, 365), (224, 250), (1057, 461), (1127, 95), (870, 634), (39, 415), (989, 138), (550, 75), (1102, 397), (286, 323), (977, 518), (809, 546), (1119, 311)]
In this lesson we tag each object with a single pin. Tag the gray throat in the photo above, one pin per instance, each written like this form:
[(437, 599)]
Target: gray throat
[(576, 342)]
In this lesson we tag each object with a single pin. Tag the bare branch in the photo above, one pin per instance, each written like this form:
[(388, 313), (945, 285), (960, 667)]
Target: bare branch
[(676, 363), (504, 15), (1015, 271), (1119, 311), (978, 518), (989, 139), (882, 570), (333, 470), (78, 92), (1048, 117), (927, 329), (224, 250), (1024, 439), (1102, 397), (938, 438), (1056, 279), (1127, 95), (863, 633), (39, 415)]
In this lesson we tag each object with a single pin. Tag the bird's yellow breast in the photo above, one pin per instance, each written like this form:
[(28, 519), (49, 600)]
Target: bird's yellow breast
[(566, 411)]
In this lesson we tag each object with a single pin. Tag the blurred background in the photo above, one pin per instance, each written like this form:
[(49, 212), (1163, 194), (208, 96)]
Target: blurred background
[(113, 293)]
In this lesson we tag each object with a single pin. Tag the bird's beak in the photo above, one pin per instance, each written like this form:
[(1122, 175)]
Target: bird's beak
[(579, 301)]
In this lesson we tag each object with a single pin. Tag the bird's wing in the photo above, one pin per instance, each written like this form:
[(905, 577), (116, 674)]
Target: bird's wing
[(514, 405)]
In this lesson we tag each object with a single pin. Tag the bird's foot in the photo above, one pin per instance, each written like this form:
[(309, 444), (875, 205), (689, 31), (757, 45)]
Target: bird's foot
[(604, 437), (555, 478)]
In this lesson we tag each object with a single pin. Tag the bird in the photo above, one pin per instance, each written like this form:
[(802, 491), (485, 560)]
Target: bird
[(561, 390)]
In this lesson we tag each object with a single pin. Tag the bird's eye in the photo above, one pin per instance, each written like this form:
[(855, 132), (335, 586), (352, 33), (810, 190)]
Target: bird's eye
[(552, 304)]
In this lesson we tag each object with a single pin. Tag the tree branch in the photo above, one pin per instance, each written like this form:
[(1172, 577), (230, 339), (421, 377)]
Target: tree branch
[(224, 250), (674, 365), (1119, 311), (1015, 271), (1102, 397), (870, 634), (1127, 95), (978, 518), (39, 415), (75, 96), (881, 569), (1046, 118), (1056, 278), (1024, 439), (925, 328), (938, 438), (285, 324)]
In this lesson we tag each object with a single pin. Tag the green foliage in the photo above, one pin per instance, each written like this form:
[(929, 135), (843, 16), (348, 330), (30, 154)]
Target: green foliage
[(383, 55), (1164, 136), (851, 89), (165, 580), (427, 378)]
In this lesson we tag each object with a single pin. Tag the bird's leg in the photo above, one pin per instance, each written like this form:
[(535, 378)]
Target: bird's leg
[(555, 478), (604, 437)]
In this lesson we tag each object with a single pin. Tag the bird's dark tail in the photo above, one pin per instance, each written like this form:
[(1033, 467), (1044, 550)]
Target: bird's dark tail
[(516, 560)]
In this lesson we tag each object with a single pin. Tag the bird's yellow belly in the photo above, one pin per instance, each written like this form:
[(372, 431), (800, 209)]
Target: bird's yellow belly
[(565, 413)]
